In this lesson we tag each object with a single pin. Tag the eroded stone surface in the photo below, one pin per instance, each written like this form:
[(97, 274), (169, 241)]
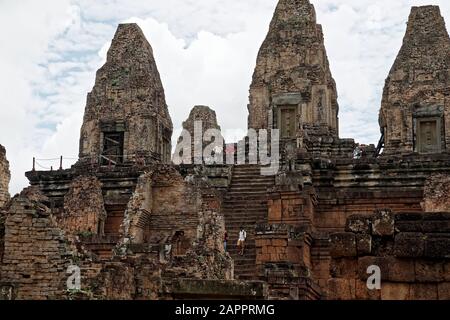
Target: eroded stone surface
[(292, 71), (128, 99), (166, 223), (4, 177), (437, 194), (203, 129), (36, 253), (415, 110), (402, 258), (84, 209)]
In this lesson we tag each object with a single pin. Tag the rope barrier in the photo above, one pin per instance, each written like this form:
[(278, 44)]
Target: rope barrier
[(113, 159), (42, 167), (49, 159)]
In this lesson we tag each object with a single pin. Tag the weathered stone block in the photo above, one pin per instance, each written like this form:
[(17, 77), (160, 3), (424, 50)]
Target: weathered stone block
[(447, 270), (383, 223), (364, 293), (363, 244), (365, 262), (358, 224), (343, 245), (409, 226), (437, 193), (344, 268), (444, 291), (392, 269), (395, 291), (341, 289), (440, 226), (422, 291), (429, 271), (401, 270), (409, 245), (437, 246)]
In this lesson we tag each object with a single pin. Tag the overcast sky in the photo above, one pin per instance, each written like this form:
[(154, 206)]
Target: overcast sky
[(205, 51)]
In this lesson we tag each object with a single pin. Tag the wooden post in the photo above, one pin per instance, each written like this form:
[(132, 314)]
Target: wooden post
[(34, 164), (60, 163)]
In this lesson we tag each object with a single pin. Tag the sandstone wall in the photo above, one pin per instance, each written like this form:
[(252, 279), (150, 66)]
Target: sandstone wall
[(36, 253), (184, 213), (411, 249), (355, 186), (437, 194), (84, 209), (4, 177)]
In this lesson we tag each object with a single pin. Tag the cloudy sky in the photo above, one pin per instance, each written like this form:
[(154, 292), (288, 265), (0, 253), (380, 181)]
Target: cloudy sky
[(205, 51)]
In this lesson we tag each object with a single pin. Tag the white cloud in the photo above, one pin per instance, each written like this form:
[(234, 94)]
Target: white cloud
[(205, 51)]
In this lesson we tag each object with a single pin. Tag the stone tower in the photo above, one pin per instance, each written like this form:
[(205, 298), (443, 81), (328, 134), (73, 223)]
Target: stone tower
[(292, 88), (205, 116), (126, 116), (415, 110), (4, 177)]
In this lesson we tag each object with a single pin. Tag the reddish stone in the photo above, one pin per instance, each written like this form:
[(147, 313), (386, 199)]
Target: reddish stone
[(358, 224), (395, 291), (363, 244), (444, 291), (429, 271), (409, 245), (344, 268), (343, 245), (341, 289), (422, 291), (383, 223)]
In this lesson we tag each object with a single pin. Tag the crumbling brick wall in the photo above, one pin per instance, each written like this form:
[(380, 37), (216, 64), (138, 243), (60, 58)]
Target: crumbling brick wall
[(411, 249), (2, 235), (4, 177), (84, 209), (173, 227), (162, 204), (36, 253), (436, 196)]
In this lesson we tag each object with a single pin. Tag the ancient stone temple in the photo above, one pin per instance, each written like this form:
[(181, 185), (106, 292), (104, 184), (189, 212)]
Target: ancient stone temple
[(415, 111), (126, 117), (198, 131), (292, 88), (135, 226), (4, 177)]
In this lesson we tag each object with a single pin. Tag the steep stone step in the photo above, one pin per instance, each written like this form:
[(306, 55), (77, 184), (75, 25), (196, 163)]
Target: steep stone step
[(245, 204)]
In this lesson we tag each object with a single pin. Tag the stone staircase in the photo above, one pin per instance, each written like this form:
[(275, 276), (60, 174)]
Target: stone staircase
[(245, 205)]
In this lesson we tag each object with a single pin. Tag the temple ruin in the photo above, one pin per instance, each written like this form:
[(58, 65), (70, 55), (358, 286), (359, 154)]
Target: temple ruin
[(4, 177), (137, 226), (126, 117)]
